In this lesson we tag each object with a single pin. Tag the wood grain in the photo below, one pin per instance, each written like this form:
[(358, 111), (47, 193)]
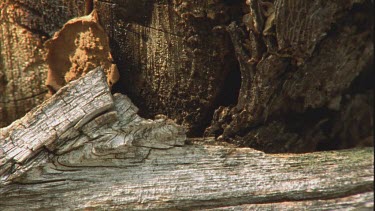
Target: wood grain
[(110, 158)]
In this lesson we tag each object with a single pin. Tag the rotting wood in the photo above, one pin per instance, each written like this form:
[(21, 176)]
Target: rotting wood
[(296, 80), (173, 56), (107, 157), (24, 26), (176, 58), (50, 123), (297, 63), (77, 48)]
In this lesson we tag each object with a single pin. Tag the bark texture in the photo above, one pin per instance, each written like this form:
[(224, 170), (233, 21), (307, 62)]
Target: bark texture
[(87, 149), (24, 27), (293, 78), (173, 56), (276, 75), (298, 65)]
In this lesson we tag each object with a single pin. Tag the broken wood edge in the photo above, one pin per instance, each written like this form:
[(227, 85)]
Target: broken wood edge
[(70, 107), (110, 139)]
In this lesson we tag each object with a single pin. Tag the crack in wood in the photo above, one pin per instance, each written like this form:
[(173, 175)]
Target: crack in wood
[(138, 161)]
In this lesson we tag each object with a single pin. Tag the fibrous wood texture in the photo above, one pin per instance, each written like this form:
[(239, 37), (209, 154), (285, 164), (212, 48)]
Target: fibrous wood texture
[(49, 123), (87, 149), (24, 26), (173, 56), (298, 60), (276, 75), (287, 73)]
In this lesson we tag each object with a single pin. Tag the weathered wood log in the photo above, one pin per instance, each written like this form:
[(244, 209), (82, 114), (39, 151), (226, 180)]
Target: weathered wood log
[(292, 69), (87, 149)]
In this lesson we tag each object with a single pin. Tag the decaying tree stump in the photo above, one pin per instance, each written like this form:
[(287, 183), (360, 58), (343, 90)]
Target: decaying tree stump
[(173, 56), (297, 65), (289, 72), (85, 148), (275, 75)]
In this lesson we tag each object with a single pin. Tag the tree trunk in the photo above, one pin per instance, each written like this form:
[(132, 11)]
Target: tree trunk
[(173, 56), (298, 80), (24, 26), (81, 143), (279, 76), (274, 75)]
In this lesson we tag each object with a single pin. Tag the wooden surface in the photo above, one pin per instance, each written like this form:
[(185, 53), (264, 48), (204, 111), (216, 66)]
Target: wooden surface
[(24, 27), (297, 60), (110, 158), (284, 70), (278, 76), (173, 56)]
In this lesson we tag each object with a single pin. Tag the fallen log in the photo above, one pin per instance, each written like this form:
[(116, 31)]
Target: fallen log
[(85, 148)]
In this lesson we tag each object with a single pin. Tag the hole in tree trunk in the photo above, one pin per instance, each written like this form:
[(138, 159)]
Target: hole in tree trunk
[(228, 96), (231, 88)]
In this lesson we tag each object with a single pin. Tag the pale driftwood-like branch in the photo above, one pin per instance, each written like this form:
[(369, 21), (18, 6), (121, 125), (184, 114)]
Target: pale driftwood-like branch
[(48, 124), (85, 148)]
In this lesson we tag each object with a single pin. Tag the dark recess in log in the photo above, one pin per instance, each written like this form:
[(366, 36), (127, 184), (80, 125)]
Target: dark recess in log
[(174, 57), (302, 105), (284, 84)]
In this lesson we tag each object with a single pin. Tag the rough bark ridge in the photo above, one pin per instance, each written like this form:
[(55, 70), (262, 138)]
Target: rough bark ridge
[(94, 148), (24, 26), (302, 66), (297, 59)]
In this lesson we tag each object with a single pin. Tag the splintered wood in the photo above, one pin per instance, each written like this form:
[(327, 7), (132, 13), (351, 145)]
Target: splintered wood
[(45, 125), (87, 149)]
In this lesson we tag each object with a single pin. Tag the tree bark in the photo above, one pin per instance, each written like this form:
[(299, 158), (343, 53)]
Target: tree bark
[(275, 75), (240, 71), (173, 56), (94, 149), (24, 27), (292, 80)]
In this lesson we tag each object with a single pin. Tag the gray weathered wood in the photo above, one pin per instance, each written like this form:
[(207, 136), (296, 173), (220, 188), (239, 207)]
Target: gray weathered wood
[(47, 124), (95, 152)]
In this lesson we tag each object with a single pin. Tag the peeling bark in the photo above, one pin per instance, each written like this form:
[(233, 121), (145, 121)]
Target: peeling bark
[(78, 47)]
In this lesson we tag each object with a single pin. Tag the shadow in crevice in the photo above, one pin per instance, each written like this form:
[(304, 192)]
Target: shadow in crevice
[(231, 88), (227, 97)]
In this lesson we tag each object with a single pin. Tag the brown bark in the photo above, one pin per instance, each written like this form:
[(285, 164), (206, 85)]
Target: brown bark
[(24, 27), (275, 75), (313, 51), (173, 56), (296, 63)]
